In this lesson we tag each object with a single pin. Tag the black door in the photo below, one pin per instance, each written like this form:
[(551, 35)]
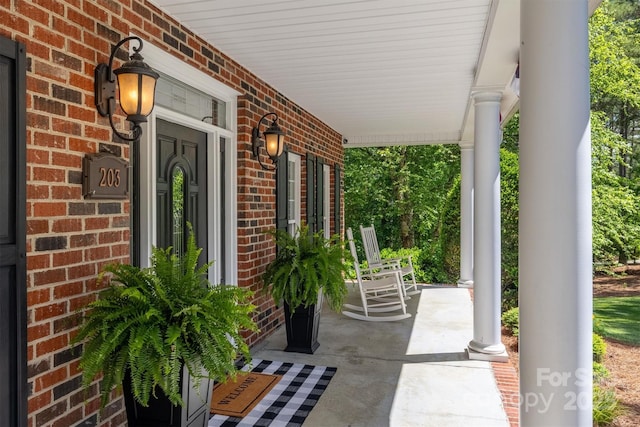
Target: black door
[(181, 186), (13, 322)]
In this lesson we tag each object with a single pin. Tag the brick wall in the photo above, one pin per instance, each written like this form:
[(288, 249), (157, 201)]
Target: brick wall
[(70, 239)]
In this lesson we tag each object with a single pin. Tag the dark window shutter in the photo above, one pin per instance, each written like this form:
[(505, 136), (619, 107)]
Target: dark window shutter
[(311, 193), (282, 177), (13, 269), (337, 198), (320, 194)]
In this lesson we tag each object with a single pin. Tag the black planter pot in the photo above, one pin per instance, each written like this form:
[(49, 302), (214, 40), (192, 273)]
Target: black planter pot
[(161, 413), (302, 328)]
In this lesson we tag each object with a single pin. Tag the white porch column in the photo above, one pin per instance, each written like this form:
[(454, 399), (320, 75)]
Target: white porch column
[(466, 215), (555, 284), (487, 342)]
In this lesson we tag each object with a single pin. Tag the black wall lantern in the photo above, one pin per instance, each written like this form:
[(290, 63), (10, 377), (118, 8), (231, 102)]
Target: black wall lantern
[(273, 141), (137, 87)]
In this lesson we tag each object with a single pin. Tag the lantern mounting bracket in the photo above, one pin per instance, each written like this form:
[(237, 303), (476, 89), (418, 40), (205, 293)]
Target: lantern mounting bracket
[(257, 141), (105, 88)]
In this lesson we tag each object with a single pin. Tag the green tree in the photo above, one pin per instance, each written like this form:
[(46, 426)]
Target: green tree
[(509, 211), (615, 90), (616, 207), (401, 191), (398, 190)]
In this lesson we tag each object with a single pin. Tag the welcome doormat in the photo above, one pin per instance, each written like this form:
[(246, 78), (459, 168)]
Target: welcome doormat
[(237, 398), (289, 402)]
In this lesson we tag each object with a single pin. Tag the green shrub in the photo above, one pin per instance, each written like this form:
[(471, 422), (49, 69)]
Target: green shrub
[(600, 372), (599, 348), (432, 264), (605, 406), (448, 236), (416, 260), (510, 319), (509, 297)]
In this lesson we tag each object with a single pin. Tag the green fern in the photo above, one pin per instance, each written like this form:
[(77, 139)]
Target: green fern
[(306, 263), (153, 321)]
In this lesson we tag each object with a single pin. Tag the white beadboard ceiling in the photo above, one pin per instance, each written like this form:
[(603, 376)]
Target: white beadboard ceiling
[(380, 72)]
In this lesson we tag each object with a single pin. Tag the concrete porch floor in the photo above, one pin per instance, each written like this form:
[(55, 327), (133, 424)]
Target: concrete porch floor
[(413, 372)]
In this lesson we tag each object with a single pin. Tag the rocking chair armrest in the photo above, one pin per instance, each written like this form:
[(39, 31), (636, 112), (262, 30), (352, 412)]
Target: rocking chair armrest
[(397, 259), (373, 272)]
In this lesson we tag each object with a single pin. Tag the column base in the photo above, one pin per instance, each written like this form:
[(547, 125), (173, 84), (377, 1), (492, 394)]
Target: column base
[(462, 283), (490, 353)]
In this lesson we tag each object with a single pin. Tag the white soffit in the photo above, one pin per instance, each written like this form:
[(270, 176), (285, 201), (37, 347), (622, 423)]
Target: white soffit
[(380, 72)]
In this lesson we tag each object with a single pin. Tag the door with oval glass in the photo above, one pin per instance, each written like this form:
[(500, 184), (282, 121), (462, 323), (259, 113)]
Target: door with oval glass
[(181, 186)]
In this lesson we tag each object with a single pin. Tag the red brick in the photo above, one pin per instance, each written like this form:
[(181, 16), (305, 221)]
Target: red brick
[(67, 225), (48, 174), (44, 209), (94, 132), (83, 270), (39, 401), (66, 159), (120, 250), (37, 226), (50, 379), (81, 19), (37, 85), (49, 276), (64, 27), (109, 237), (51, 345), (82, 240), (51, 71), (67, 258), (96, 223), (14, 22), (70, 418), (38, 296), (38, 262), (53, 6), (39, 331), (97, 253), (82, 114), (49, 311), (37, 191), (47, 140), (67, 193), (33, 12), (82, 145), (66, 126), (80, 302)]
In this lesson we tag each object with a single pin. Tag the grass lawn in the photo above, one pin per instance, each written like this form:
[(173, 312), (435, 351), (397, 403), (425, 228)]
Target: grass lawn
[(618, 318)]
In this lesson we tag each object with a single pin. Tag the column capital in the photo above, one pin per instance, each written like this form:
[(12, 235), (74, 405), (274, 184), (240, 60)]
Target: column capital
[(481, 95)]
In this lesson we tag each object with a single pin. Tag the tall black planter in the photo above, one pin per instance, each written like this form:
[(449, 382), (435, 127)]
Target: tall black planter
[(161, 413), (302, 328)]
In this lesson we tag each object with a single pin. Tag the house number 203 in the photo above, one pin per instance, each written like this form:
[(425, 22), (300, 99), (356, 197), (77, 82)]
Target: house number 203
[(109, 177), (105, 176)]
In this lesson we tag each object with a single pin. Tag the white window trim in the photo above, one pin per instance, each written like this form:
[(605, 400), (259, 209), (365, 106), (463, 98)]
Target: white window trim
[(326, 200), (172, 66), (294, 223)]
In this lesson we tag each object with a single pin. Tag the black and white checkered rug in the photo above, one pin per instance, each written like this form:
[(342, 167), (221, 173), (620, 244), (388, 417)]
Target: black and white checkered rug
[(289, 402)]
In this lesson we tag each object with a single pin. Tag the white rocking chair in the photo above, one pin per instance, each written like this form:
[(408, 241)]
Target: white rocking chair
[(376, 262), (380, 292)]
